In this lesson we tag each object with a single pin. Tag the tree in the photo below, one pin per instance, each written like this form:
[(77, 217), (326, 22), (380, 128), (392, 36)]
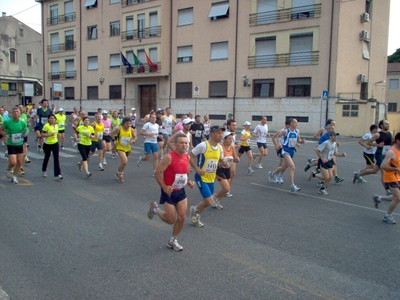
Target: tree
[(395, 57)]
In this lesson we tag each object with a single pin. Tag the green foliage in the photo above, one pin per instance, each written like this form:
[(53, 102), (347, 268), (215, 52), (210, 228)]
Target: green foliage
[(395, 57)]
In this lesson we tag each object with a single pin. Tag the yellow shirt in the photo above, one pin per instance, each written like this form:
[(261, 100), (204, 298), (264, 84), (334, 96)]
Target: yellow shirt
[(124, 139), (61, 121), (98, 131), (247, 135), (50, 129), (85, 134), (209, 162)]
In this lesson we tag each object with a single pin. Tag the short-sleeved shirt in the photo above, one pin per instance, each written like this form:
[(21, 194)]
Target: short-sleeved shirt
[(84, 134), (148, 128), (43, 115), (328, 149), (247, 135), (366, 137), (15, 131), (61, 120), (262, 132), (50, 129)]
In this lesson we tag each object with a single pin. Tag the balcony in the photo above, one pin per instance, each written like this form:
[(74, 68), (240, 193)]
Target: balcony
[(141, 33), (61, 75), (61, 19), (352, 96), (283, 60), (61, 47), (132, 2), (142, 69), (286, 15)]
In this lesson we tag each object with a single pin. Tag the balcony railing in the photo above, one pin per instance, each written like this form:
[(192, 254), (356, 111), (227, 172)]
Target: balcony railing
[(61, 19), (61, 75), (132, 2), (141, 33), (350, 96), (61, 47), (140, 69), (283, 60), (286, 15)]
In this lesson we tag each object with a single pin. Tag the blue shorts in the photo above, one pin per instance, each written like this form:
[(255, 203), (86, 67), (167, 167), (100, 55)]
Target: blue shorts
[(379, 159), (39, 126), (287, 150), (174, 198), (206, 188), (150, 148)]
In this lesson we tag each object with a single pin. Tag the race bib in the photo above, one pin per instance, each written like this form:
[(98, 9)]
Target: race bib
[(292, 142), (44, 120), (198, 133), (248, 142), (385, 149), (99, 135), (125, 141), (61, 126), (106, 131), (180, 181), (16, 138), (211, 165)]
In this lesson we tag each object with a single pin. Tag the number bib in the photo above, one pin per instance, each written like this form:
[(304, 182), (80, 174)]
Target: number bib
[(16, 138), (106, 131), (61, 126), (198, 133), (125, 141), (44, 120), (211, 165), (292, 142), (180, 181), (99, 135)]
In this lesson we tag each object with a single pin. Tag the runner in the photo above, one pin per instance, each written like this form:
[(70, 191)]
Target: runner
[(168, 123), (278, 178), (97, 141), (106, 135), (209, 156), (179, 125), (245, 145), (24, 117), (232, 126), (125, 137), (133, 117), (150, 131), (160, 136), (86, 134), (50, 135), (40, 119), (197, 131), (115, 123), (175, 169), (61, 120), (261, 134), (207, 126), (186, 123)]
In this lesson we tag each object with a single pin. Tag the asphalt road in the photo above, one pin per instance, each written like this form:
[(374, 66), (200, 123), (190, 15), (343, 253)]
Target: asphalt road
[(91, 239)]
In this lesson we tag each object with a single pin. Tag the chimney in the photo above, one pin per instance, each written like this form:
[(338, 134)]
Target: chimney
[(3, 14)]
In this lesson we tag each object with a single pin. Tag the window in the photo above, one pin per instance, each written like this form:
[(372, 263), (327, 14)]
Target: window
[(55, 42), (218, 89), (393, 84), (114, 28), (13, 56), (54, 14), (141, 28), (29, 59), (302, 9), (153, 55), (90, 4), (69, 93), (183, 90), (12, 86), (21, 32), (219, 11), (299, 87), (115, 92), (219, 50), (92, 63), (93, 92), (263, 88), (129, 27), (365, 49), (115, 60), (69, 69), (301, 49), (92, 32), (185, 54), (368, 6), (153, 24), (266, 12), (55, 70), (185, 16), (69, 11), (364, 91), (114, 1), (392, 107), (69, 40), (265, 52), (350, 110)]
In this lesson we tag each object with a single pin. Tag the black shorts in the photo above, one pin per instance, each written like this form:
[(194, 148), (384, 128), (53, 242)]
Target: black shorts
[(263, 145), (39, 127), (244, 149), (369, 158), (14, 150), (223, 173), (174, 198), (61, 131), (392, 185), (107, 138), (96, 145), (328, 165), (84, 151)]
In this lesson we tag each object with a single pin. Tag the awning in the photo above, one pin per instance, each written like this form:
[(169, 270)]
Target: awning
[(90, 3), (20, 79), (219, 10)]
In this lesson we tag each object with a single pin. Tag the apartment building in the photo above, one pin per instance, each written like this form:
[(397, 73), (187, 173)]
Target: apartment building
[(21, 62), (308, 59)]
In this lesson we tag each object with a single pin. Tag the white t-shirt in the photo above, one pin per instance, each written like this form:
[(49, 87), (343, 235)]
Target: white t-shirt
[(366, 138), (261, 131), (167, 123), (148, 128), (328, 149)]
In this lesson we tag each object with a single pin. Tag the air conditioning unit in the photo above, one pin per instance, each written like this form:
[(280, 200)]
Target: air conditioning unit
[(364, 35), (362, 78), (365, 17)]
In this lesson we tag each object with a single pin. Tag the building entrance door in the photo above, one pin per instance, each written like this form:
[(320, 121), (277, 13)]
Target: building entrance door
[(148, 99)]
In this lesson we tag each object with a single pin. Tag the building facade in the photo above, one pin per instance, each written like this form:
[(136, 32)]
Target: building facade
[(21, 62), (308, 59)]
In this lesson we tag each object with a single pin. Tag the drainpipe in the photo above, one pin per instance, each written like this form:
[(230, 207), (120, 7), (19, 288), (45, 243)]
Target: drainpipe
[(330, 59), (43, 49), (80, 55), (170, 54), (235, 68)]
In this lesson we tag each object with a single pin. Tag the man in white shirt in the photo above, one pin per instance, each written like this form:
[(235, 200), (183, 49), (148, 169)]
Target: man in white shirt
[(150, 131), (261, 134)]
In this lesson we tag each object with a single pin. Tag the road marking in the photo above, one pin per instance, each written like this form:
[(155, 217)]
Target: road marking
[(87, 196), (21, 181), (324, 198)]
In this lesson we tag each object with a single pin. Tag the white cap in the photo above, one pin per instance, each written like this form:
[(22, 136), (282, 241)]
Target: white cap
[(247, 123), (227, 133), (105, 112), (187, 121), (133, 108), (61, 109)]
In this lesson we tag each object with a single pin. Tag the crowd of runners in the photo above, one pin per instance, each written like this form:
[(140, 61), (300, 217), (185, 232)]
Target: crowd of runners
[(192, 144)]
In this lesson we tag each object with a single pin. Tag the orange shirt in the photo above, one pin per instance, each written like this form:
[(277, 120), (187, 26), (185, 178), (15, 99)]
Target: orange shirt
[(392, 176)]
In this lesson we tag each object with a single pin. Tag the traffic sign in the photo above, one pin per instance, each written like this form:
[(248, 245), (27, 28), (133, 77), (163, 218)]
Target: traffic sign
[(324, 95)]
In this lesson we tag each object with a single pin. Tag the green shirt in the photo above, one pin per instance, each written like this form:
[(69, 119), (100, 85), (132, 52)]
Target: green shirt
[(14, 130), (24, 118), (61, 120), (84, 134), (53, 130)]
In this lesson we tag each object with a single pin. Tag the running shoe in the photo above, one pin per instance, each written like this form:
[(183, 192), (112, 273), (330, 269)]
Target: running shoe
[(228, 194), (294, 188), (6, 154), (193, 215), (21, 172), (259, 166), (44, 174), (120, 177), (276, 179), (280, 178), (151, 213), (139, 161), (323, 192), (389, 219), (79, 166), (216, 203), (255, 156), (320, 183), (88, 174), (173, 244), (388, 192), (307, 167), (113, 155), (198, 223), (361, 179), (250, 170), (356, 176), (8, 173), (271, 176), (62, 148), (100, 167), (338, 179), (39, 148), (310, 160), (14, 180), (312, 174), (104, 161), (377, 199), (58, 178), (27, 160)]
